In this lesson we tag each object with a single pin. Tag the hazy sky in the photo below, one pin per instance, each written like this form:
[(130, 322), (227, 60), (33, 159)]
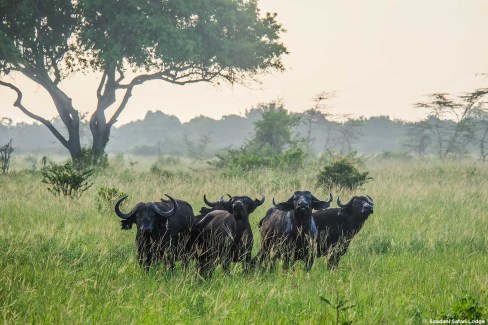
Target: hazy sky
[(380, 57)]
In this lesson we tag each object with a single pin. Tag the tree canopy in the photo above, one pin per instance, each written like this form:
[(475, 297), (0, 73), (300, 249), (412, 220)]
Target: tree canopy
[(131, 42), (273, 134)]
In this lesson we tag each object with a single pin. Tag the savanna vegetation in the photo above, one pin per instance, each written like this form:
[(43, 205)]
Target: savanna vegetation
[(422, 255)]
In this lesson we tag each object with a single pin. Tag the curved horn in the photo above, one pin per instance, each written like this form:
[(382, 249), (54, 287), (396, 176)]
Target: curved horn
[(207, 202), (274, 203), (370, 199), (330, 199), (222, 201), (166, 213), (262, 200), (120, 213)]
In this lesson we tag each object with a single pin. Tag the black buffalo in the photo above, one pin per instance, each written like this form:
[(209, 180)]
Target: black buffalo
[(163, 230), (217, 205), (338, 226), (225, 236), (288, 230)]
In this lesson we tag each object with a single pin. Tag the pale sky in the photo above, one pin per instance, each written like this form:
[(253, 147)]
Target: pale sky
[(380, 57)]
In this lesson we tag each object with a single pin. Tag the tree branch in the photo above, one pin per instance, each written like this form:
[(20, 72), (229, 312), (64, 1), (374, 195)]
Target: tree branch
[(125, 100), (121, 75), (100, 86), (165, 75), (18, 103)]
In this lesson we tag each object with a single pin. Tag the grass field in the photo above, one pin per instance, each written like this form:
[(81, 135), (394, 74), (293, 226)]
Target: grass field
[(424, 248)]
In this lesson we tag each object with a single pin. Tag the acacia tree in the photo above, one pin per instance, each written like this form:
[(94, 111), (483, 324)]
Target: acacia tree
[(452, 138), (129, 43), (481, 118), (316, 114)]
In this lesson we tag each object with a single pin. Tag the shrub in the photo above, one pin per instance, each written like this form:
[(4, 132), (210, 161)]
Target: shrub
[(66, 181), (342, 175), (466, 308), (86, 159), (239, 161), (107, 197)]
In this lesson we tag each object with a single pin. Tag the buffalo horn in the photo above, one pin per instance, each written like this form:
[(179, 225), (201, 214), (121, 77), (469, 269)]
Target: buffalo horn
[(262, 200), (370, 199), (120, 213), (169, 213), (207, 202), (274, 203), (330, 199)]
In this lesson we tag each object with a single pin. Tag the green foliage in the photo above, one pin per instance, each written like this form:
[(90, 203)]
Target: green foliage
[(273, 134), (238, 161), (339, 307), (466, 308), (180, 42), (343, 175), (330, 156), (67, 181), (107, 197), (87, 160)]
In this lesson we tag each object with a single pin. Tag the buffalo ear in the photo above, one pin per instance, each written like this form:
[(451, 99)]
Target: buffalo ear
[(127, 224), (256, 203), (320, 205), (284, 206)]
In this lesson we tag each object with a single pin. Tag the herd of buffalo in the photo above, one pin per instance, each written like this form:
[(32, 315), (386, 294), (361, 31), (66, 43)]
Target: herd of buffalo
[(168, 231)]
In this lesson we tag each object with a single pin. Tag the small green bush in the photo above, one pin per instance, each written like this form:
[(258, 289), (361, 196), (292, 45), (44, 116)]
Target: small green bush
[(65, 180), (107, 197), (237, 161), (466, 308), (86, 159), (342, 175)]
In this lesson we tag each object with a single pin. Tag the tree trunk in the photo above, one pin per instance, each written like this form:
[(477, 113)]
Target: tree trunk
[(71, 120), (99, 127), (101, 133)]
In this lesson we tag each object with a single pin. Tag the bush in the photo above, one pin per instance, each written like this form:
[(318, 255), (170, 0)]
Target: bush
[(86, 159), (466, 308), (107, 197), (238, 161), (66, 181), (342, 175)]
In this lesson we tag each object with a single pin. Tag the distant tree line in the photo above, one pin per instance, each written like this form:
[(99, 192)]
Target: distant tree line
[(271, 129)]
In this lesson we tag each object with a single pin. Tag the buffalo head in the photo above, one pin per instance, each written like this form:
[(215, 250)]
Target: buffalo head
[(303, 202), (241, 206), (361, 205), (148, 217)]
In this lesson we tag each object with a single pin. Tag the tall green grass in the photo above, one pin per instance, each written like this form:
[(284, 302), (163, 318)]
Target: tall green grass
[(424, 248)]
